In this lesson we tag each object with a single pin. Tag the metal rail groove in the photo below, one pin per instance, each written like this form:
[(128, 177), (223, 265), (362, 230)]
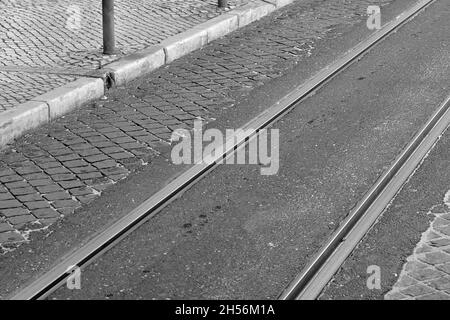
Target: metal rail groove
[(311, 281), (315, 276), (81, 257)]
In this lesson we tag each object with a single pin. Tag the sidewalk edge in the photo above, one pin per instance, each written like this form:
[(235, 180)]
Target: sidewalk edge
[(55, 103), (46, 107)]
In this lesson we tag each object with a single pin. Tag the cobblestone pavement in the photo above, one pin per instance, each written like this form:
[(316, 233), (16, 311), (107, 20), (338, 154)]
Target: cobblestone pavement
[(426, 274), (54, 170), (30, 85), (62, 34)]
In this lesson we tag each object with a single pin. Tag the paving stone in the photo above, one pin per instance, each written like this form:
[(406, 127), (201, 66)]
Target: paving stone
[(444, 229), (63, 177), (75, 163), (86, 153), (30, 197), (395, 296), (19, 184), (49, 188), (37, 183), (440, 209), (57, 196), (405, 281), (439, 222), (65, 203), (27, 170), (6, 204), (425, 274), (85, 169), (36, 204), (416, 290), (105, 164), (91, 175), (434, 296), (14, 212), (7, 237), (45, 213), (435, 258), (6, 172), (21, 219), (440, 283), (121, 155), (440, 242), (80, 191), (66, 211), (130, 146), (6, 196), (114, 170), (110, 150), (57, 170), (49, 221), (86, 199), (424, 248), (96, 158), (48, 166), (103, 144), (22, 191), (71, 184), (5, 227), (68, 157), (444, 267), (11, 178), (35, 176), (125, 139)]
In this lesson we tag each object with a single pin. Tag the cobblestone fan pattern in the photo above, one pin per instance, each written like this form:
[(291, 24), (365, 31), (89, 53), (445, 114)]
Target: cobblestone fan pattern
[(30, 84), (64, 34), (60, 167), (426, 274)]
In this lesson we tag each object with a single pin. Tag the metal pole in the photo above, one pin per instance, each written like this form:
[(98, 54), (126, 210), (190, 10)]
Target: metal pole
[(109, 41), (223, 3)]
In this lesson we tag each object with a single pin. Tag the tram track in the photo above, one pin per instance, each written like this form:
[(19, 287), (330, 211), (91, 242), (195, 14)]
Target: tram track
[(82, 257)]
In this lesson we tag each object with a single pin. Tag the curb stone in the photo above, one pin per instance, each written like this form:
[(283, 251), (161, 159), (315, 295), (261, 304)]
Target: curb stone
[(55, 103)]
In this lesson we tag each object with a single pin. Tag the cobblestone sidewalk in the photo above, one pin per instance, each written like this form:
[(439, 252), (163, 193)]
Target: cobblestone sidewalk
[(50, 172), (426, 274), (47, 43)]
